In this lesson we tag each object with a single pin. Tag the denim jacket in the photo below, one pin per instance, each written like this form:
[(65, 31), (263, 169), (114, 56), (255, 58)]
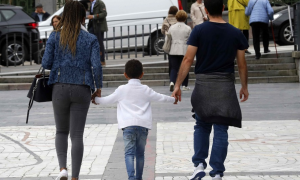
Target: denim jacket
[(83, 69)]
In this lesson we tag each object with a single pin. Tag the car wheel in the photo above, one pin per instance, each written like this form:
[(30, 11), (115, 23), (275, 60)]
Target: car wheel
[(157, 43), (14, 53), (39, 56), (285, 35)]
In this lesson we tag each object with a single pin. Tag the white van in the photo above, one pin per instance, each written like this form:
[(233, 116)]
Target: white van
[(130, 24)]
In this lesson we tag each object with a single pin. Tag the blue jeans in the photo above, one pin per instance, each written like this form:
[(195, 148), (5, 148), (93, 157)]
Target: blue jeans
[(135, 138), (219, 148)]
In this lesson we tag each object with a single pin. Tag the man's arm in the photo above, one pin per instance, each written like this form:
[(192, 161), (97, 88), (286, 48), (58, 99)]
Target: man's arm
[(184, 70), (103, 12), (243, 71)]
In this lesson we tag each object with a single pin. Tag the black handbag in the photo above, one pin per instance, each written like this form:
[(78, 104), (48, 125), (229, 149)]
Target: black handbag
[(39, 91)]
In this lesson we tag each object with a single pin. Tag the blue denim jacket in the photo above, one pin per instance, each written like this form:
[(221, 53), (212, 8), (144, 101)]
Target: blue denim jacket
[(83, 69), (261, 11)]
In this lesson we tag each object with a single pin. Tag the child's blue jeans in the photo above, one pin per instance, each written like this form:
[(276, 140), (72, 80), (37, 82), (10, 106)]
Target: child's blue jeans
[(135, 138)]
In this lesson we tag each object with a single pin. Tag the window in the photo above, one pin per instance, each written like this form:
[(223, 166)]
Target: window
[(8, 14), (1, 19)]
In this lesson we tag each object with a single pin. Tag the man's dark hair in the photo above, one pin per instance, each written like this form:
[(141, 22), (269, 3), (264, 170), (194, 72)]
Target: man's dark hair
[(134, 69), (214, 7), (173, 10)]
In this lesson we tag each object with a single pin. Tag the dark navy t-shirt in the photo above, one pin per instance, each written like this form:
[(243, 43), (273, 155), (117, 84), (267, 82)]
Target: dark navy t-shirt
[(217, 46)]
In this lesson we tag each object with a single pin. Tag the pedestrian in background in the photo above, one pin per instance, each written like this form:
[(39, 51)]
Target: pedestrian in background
[(39, 14), (180, 33), (260, 12), (170, 20), (198, 14), (167, 23), (55, 20), (75, 73), (98, 24), (238, 18)]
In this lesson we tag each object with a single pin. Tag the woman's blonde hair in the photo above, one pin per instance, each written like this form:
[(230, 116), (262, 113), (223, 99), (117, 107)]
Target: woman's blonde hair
[(70, 25), (181, 16)]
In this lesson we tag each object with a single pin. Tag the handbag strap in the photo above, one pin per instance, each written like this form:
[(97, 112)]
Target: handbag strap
[(201, 12), (254, 5), (168, 22), (31, 101), (240, 3)]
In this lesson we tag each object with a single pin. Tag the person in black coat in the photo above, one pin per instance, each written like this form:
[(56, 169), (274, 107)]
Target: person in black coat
[(39, 14)]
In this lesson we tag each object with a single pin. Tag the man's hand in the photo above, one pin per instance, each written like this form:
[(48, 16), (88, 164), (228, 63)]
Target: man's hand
[(96, 94), (90, 17), (244, 92), (205, 19), (177, 94), (176, 100)]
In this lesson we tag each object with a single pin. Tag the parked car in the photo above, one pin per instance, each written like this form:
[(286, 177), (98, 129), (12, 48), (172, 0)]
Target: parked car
[(131, 24), (20, 31), (282, 29)]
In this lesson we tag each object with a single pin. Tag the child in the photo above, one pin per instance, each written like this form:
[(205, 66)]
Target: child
[(134, 115)]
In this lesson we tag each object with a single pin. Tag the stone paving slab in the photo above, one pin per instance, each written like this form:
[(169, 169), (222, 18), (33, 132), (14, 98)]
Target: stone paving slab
[(29, 152), (235, 178), (259, 147)]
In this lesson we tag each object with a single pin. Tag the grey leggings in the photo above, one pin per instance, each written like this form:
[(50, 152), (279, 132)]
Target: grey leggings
[(70, 104)]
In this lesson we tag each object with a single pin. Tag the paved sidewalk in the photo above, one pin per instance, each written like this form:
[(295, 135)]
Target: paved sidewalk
[(121, 62), (260, 148), (267, 147)]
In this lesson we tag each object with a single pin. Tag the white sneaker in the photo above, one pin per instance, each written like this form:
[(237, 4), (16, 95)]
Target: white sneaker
[(171, 86), (185, 88), (198, 173), (63, 175), (217, 177)]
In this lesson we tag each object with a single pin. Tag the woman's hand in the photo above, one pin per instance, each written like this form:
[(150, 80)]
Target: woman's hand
[(97, 93)]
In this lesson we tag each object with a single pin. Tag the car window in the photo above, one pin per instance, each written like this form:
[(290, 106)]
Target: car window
[(1, 19), (8, 14)]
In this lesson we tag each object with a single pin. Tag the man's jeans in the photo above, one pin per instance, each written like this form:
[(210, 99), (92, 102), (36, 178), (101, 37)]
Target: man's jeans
[(135, 138), (219, 148)]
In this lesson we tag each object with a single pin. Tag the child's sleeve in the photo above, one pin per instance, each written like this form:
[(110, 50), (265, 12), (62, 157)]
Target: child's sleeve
[(160, 97), (111, 99)]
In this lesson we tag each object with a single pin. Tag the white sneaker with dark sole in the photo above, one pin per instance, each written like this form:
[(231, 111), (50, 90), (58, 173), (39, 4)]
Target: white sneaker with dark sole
[(198, 173), (217, 177), (63, 175), (172, 86), (185, 88)]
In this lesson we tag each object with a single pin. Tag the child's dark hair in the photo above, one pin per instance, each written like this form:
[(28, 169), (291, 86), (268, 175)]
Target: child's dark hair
[(134, 69)]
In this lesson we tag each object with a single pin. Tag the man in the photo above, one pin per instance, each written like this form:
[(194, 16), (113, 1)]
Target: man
[(260, 12), (215, 45), (40, 15), (98, 24), (237, 16)]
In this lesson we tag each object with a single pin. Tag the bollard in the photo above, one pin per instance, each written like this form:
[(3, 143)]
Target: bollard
[(296, 53)]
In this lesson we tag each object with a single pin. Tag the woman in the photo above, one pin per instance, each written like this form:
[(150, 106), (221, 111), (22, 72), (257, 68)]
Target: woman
[(170, 20), (237, 17), (55, 20), (261, 13), (72, 54), (198, 14), (180, 33)]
